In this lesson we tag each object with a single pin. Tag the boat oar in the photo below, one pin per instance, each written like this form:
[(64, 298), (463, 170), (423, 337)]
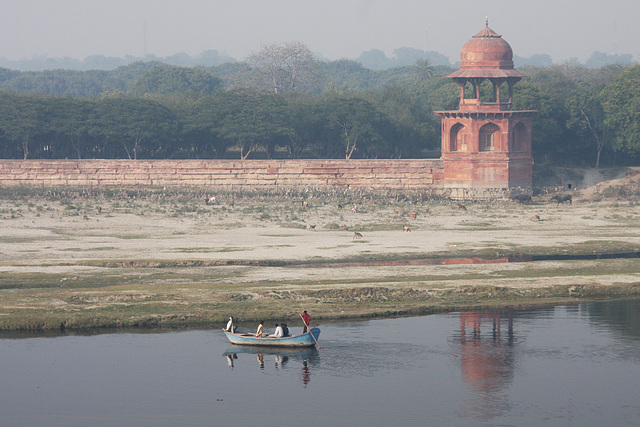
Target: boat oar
[(309, 329)]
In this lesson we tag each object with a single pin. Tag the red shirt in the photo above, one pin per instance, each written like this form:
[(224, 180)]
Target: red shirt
[(305, 317)]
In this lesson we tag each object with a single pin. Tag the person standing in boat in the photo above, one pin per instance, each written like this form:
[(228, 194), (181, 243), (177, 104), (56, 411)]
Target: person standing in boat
[(230, 326), (260, 330), (279, 333), (306, 319)]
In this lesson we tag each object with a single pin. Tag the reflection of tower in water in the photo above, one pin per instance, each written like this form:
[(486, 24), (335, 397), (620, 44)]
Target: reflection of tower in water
[(487, 357)]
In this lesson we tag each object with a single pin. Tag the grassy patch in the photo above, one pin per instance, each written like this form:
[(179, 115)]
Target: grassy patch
[(14, 239), (296, 225)]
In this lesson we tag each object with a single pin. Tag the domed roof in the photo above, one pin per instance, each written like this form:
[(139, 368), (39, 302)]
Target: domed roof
[(487, 49), (487, 54)]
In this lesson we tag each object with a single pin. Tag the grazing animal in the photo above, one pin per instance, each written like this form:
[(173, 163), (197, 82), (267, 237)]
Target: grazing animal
[(339, 206), (537, 217), (312, 227), (410, 215), (354, 208), (344, 227), (405, 228), (99, 210), (561, 198), (522, 198), (461, 207), (395, 212), (305, 204), (232, 203), (357, 235)]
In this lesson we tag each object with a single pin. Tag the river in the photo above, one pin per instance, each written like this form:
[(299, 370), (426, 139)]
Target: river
[(558, 366)]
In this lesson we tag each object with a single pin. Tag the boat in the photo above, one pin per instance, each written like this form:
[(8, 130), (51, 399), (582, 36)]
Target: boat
[(302, 340)]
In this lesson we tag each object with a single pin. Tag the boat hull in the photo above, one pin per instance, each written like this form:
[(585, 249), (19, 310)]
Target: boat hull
[(303, 340)]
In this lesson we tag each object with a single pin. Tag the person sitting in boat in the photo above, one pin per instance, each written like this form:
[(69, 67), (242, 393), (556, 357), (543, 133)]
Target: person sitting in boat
[(230, 326), (260, 331), (285, 330), (279, 333)]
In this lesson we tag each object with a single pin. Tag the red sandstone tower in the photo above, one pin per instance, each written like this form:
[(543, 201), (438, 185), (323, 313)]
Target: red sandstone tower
[(486, 144)]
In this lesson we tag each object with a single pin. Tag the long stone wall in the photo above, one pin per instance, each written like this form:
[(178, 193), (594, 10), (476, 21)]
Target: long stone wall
[(414, 174)]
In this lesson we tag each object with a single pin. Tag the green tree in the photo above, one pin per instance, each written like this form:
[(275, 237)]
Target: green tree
[(548, 123), (586, 118), (348, 74), (200, 135), (68, 121), (234, 75), (142, 127), (58, 82), (424, 69), (174, 80), (438, 93), (253, 121), (353, 120), (7, 74), (621, 106), (306, 119), (122, 79), (21, 119), (411, 122)]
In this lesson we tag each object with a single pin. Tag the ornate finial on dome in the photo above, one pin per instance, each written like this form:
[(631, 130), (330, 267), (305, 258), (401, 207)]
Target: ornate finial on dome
[(486, 31)]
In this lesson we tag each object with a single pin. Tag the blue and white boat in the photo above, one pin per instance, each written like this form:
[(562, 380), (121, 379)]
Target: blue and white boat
[(302, 340)]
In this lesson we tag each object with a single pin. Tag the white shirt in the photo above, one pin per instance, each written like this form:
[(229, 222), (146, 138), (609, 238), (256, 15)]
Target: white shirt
[(230, 325), (278, 333)]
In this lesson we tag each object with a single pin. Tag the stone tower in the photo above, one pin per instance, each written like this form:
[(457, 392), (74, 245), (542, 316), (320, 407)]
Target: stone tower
[(485, 144)]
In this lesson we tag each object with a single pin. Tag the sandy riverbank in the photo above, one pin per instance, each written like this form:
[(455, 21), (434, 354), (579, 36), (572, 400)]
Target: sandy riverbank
[(169, 258)]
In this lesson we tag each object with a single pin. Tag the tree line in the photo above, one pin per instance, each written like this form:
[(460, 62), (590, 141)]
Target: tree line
[(240, 123), (283, 103)]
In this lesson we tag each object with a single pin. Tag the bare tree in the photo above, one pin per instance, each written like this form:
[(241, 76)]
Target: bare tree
[(596, 133), (283, 65)]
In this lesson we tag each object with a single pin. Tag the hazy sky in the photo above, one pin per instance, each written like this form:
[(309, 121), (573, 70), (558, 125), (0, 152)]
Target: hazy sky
[(334, 28)]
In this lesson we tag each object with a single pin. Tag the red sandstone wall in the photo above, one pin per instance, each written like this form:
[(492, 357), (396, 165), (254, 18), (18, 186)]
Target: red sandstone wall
[(417, 174)]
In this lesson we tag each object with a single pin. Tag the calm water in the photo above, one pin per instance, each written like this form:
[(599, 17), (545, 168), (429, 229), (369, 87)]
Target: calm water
[(561, 366)]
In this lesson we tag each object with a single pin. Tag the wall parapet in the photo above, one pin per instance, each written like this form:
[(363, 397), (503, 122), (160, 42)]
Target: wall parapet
[(410, 174)]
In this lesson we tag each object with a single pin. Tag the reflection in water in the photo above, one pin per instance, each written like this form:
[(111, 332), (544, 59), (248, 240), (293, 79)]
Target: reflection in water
[(623, 316), (281, 361), (230, 358), (487, 358), (306, 374), (306, 356), (261, 360)]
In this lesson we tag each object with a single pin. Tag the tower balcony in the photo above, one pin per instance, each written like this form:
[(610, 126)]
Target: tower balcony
[(477, 105)]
